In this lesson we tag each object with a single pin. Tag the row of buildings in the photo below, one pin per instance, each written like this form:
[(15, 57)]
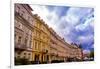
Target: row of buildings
[(36, 41)]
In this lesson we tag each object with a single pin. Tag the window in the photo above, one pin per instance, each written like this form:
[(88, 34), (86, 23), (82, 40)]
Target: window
[(19, 40), (47, 57), (32, 21), (15, 36), (30, 44), (24, 53), (38, 25), (27, 34), (23, 13), (18, 53), (38, 34), (29, 54), (18, 56), (35, 44), (36, 57), (25, 42), (28, 18), (29, 57), (18, 8), (24, 57), (42, 57), (20, 25)]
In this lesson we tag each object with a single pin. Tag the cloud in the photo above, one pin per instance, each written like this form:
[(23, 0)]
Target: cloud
[(87, 24), (51, 18), (86, 51), (74, 24), (86, 39)]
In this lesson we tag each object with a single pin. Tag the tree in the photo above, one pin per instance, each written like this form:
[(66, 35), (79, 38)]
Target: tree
[(92, 54)]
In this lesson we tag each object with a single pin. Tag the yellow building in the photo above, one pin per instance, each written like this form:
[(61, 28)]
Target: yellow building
[(35, 41), (48, 46), (41, 41)]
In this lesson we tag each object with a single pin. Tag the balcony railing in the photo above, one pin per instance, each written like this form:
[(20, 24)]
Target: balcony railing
[(21, 47), (19, 15), (45, 51)]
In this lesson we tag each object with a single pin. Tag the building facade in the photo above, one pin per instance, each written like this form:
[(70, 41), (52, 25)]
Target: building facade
[(76, 52), (37, 42), (60, 50), (23, 31), (41, 41), (48, 46)]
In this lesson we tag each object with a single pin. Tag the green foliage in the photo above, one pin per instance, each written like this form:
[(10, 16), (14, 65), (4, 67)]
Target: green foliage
[(92, 54)]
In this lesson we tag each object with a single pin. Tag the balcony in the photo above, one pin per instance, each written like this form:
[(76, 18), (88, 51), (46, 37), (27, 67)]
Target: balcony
[(44, 51), (20, 47), (22, 18)]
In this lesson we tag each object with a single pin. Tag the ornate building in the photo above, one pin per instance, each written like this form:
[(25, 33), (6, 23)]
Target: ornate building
[(58, 48), (37, 42), (23, 31), (76, 52), (48, 46), (61, 50), (41, 41)]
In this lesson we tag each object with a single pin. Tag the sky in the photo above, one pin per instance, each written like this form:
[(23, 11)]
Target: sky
[(74, 24)]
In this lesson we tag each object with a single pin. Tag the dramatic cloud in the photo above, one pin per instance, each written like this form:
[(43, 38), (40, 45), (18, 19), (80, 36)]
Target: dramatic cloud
[(74, 24)]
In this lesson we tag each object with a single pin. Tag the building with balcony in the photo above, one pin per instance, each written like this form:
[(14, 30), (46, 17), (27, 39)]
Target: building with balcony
[(76, 52), (36, 41), (48, 46), (23, 31), (41, 40), (59, 49)]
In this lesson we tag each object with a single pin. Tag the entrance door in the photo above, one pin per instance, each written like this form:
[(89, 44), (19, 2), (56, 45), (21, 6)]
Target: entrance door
[(37, 58), (42, 58), (47, 58)]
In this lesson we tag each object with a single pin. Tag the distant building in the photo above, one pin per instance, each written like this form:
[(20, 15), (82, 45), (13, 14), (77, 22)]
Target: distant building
[(59, 49), (86, 55), (76, 52)]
